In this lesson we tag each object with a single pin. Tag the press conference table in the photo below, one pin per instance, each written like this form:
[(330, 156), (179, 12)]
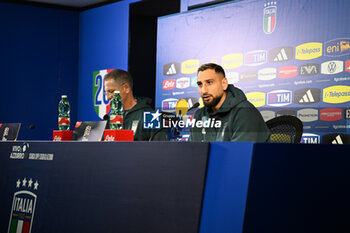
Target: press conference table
[(173, 187)]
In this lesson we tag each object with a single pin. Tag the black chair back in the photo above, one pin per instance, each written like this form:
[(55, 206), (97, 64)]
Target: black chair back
[(285, 129)]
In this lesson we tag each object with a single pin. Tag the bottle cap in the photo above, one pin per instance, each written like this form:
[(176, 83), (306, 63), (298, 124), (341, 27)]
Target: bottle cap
[(64, 96), (117, 92)]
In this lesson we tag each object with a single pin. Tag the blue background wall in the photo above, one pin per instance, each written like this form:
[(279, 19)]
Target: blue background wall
[(47, 52), (103, 44), (38, 63)]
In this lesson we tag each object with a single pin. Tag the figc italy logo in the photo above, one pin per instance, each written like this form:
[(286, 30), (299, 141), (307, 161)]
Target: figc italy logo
[(270, 12), (101, 103), (23, 206)]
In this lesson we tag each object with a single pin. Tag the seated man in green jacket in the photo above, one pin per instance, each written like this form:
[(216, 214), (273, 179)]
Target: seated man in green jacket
[(121, 80), (233, 117)]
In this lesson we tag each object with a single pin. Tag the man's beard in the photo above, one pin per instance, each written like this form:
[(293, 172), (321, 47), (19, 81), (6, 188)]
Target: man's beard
[(214, 102)]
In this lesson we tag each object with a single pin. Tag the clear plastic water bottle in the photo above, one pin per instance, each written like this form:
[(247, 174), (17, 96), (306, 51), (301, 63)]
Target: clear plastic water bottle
[(64, 114), (116, 115)]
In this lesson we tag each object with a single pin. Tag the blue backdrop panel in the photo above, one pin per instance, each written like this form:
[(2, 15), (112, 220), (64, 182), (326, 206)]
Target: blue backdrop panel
[(103, 45), (38, 62), (298, 188), (226, 187), (287, 56), (105, 187)]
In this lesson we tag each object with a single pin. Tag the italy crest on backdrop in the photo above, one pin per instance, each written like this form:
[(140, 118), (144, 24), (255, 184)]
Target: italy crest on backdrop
[(270, 11), (100, 101)]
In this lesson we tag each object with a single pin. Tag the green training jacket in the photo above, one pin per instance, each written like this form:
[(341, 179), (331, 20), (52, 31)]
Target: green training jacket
[(236, 120), (133, 119)]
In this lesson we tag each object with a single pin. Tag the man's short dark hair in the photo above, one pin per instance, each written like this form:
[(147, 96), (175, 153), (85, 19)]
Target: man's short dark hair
[(218, 69), (119, 76)]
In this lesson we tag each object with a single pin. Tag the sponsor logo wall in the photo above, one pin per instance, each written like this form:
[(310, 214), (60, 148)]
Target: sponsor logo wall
[(285, 63)]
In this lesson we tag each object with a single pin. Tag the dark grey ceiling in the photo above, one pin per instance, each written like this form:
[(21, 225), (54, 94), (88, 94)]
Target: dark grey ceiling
[(69, 4)]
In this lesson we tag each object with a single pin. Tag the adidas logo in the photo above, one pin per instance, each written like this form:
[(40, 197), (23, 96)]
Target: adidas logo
[(281, 56), (337, 140), (171, 70), (307, 98)]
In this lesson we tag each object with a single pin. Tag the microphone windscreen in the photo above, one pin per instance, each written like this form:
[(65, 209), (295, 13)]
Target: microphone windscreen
[(31, 126), (106, 117), (196, 105)]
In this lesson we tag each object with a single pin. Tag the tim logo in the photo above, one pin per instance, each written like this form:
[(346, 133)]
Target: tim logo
[(171, 68), (255, 58), (168, 105), (269, 20), (307, 96), (151, 120), (337, 47), (23, 206), (169, 84), (310, 138), (279, 98), (309, 69)]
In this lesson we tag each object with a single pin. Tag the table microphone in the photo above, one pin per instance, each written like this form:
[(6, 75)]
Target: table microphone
[(196, 105), (31, 126), (106, 118)]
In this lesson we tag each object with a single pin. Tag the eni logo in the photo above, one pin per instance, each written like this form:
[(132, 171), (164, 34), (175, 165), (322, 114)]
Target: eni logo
[(337, 47)]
